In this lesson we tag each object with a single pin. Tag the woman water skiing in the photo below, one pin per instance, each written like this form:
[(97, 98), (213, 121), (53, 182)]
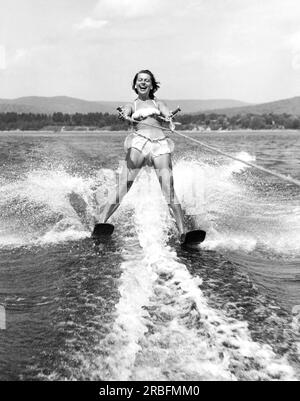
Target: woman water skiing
[(147, 144)]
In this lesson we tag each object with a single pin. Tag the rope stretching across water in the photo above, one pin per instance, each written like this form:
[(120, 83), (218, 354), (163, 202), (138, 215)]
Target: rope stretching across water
[(204, 145)]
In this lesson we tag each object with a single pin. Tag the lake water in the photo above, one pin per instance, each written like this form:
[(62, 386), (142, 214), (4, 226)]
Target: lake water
[(140, 307)]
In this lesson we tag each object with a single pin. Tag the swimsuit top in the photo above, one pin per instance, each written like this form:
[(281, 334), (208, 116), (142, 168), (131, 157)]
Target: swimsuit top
[(146, 111), (148, 114)]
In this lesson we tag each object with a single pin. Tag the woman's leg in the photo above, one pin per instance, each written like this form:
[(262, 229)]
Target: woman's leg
[(134, 162), (164, 172)]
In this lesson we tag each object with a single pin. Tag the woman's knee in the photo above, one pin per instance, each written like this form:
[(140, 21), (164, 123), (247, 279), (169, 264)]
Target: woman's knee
[(165, 177), (135, 159)]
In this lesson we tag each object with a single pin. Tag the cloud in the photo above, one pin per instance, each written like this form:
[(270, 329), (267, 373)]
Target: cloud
[(293, 43), (228, 60), (235, 48), (192, 56), (25, 57), (112, 10), (219, 60), (115, 9), (20, 54), (90, 24), (2, 58)]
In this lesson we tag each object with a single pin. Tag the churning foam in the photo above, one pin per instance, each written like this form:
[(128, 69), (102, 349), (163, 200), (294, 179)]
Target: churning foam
[(234, 217), (40, 200), (164, 328)]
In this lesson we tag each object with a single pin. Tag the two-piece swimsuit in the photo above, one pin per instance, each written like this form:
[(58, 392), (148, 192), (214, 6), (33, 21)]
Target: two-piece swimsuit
[(140, 139)]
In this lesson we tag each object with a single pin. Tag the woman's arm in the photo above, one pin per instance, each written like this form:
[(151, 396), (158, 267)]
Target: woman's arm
[(164, 109), (167, 114), (126, 111)]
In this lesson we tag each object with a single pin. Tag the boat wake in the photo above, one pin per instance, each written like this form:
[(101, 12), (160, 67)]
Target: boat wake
[(225, 201), (164, 326), (38, 208)]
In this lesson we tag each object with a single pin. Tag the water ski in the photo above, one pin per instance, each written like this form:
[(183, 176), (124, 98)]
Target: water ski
[(102, 230), (192, 238)]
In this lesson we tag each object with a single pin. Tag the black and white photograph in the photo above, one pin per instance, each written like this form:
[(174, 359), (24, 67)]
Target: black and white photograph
[(149, 193)]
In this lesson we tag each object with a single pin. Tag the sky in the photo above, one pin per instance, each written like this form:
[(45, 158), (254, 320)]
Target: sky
[(247, 50)]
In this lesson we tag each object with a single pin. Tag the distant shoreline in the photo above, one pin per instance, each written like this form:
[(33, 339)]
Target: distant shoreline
[(64, 133)]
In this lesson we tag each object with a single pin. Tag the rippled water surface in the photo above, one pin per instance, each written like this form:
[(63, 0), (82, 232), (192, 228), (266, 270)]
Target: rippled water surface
[(139, 307)]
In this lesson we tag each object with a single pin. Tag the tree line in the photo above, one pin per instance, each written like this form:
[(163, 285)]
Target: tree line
[(31, 121), (214, 121), (106, 121)]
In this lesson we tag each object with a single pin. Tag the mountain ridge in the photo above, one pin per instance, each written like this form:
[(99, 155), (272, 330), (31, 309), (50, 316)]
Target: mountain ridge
[(70, 105), (284, 106)]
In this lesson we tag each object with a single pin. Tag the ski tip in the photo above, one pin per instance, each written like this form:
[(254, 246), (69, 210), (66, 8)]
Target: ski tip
[(192, 238), (102, 230)]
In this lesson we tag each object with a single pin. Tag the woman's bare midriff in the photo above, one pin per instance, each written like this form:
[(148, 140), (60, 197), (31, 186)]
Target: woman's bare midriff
[(149, 132)]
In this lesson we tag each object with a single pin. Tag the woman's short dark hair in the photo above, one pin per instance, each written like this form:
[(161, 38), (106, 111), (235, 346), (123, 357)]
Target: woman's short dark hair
[(155, 84)]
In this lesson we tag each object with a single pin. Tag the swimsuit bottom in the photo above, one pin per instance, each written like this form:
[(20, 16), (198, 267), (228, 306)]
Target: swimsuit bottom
[(149, 147)]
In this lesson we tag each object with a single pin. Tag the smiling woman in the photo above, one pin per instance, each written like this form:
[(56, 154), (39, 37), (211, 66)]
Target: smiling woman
[(144, 79), (147, 145)]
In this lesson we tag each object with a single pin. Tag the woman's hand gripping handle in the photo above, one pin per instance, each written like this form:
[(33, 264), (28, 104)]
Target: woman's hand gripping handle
[(124, 116), (172, 125)]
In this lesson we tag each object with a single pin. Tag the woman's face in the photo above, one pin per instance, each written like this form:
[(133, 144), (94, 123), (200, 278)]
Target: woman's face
[(143, 84)]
